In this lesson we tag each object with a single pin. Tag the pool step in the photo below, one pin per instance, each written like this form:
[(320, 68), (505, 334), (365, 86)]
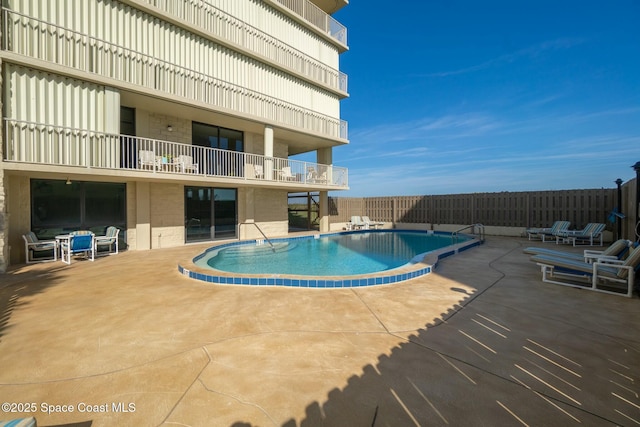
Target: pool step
[(256, 250)]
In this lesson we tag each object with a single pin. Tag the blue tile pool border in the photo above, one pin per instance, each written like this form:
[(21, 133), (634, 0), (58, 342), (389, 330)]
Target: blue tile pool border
[(326, 282)]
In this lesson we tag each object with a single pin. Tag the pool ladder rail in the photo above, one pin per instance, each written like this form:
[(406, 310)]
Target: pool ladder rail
[(261, 232), (472, 227)]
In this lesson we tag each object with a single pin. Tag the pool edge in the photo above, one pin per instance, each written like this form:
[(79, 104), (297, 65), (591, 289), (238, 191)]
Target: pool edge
[(409, 271)]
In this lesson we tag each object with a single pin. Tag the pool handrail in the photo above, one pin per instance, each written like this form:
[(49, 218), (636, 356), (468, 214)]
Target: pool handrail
[(261, 232), (454, 235)]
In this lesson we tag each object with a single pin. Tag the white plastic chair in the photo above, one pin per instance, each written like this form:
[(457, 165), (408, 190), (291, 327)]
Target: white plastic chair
[(185, 163), (33, 245), (110, 240)]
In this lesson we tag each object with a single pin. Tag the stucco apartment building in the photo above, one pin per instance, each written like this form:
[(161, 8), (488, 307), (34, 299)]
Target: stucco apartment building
[(174, 120)]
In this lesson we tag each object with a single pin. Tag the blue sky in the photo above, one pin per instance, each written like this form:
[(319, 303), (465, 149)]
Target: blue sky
[(452, 96)]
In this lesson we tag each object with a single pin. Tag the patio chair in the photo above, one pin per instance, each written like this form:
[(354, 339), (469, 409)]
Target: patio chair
[(590, 232), (19, 422), (109, 240), (185, 164), (286, 175), (322, 178), (314, 178), (609, 274), (33, 246), (259, 171), (357, 223), (617, 250), (370, 223), (147, 160), (78, 242), (543, 233)]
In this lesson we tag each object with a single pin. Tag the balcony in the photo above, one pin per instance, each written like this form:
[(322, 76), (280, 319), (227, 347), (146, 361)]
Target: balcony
[(221, 25), (37, 143), (317, 17), (33, 38)]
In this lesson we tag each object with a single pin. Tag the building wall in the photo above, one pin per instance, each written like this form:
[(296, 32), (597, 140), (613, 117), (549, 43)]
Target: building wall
[(167, 215), (264, 207), (183, 53)]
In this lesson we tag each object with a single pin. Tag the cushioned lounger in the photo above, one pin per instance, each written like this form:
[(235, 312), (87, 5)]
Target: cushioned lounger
[(609, 274), (543, 233), (617, 250)]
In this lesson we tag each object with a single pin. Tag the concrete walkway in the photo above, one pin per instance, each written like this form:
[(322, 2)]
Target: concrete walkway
[(127, 341)]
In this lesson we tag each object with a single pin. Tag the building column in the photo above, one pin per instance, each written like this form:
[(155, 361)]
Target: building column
[(143, 215), (325, 157), (268, 152)]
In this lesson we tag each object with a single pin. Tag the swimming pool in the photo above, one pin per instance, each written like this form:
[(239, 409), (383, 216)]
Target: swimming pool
[(345, 259)]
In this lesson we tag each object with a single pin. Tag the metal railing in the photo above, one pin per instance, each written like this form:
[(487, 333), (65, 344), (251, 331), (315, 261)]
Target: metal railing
[(29, 142), (472, 227), (318, 18), (35, 38), (261, 232)]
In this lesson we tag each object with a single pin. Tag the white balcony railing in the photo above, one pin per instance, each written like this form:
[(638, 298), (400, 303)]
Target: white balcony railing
[(38, 39), (28, 142), (207, 17), (319, 18)]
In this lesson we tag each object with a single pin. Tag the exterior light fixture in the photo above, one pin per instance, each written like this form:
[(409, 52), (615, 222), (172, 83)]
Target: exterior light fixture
[(170, 128), (68, 181)]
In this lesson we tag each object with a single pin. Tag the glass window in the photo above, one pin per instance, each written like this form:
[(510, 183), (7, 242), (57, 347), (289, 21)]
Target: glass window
[(104, 203), (205, 135), (210, 213), (54, 204), (58, 207)]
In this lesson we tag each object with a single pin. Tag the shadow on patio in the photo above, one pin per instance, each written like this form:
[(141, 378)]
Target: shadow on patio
[(518, 352)]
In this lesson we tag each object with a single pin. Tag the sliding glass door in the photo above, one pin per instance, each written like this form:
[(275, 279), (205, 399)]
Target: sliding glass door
[(210, 213)]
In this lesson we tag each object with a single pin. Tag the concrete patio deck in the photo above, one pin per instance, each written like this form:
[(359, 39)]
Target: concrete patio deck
[(128, 341)]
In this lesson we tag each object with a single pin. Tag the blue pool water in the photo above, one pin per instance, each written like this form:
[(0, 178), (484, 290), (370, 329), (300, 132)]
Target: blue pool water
[(342, 254)]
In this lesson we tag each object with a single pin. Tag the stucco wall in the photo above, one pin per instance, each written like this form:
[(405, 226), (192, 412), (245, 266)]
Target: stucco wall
[(167, 215), (267, 208)]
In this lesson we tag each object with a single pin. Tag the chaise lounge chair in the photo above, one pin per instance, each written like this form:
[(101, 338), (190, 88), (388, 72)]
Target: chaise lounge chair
[(372, 224), (610, 274), (591, 231), (617, 250), (357, 223), (543, 233)]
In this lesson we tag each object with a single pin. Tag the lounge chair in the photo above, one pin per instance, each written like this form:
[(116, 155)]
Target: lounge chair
[(19, 422), (78, 242), (357, 223), (609, 274), (543, 233), (591, 231), (617, 250), (109, 240), (370, 223), (33, 246)]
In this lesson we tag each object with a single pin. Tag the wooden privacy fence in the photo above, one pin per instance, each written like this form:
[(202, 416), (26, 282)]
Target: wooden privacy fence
[(506, 209)]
